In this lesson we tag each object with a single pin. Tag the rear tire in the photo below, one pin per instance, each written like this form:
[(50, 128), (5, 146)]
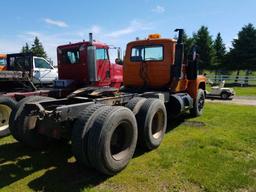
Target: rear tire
[(7, 105), (25, 126), (79, 132), (152, 123), (135, 104), (14, 126), (198, 104), (112, 139)]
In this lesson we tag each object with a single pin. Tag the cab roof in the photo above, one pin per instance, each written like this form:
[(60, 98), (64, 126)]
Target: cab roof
[(153, 41), (85, 43), (3, 55)]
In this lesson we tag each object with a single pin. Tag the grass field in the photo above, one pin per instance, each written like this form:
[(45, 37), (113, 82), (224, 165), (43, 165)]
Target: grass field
[(215, 152), (245, 91)]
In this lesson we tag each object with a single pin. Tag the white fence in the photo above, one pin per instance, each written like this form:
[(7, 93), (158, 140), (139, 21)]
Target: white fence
[(233, 79)]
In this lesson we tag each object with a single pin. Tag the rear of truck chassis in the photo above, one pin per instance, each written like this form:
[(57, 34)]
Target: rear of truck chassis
[(104, 131)]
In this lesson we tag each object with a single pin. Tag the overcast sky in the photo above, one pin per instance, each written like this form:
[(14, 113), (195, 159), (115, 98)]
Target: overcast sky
[(116, 22)]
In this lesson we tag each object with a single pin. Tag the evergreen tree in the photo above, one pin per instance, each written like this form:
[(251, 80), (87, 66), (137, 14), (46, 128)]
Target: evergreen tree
[(38, 49), (204, 43), (25, 49), (243, 53), (188, 43), (220, 51)]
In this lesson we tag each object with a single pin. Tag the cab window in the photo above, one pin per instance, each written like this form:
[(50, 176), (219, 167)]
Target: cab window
[(101, 54), (147, 53), (41, 63), (72, 56), (19, 63), (2, 62)]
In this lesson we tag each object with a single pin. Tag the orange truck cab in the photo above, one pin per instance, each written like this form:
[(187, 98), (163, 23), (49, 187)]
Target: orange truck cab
[(2, 62), (158, 64)]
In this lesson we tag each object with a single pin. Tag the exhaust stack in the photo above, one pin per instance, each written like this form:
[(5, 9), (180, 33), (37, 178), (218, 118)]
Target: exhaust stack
[(91, 60), (179, 54), (90, 38)]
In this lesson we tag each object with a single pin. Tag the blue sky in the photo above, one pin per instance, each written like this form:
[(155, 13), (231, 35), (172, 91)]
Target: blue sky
[(116, 22)]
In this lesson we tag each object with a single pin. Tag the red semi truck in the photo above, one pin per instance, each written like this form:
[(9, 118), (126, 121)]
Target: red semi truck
[(74, 73)]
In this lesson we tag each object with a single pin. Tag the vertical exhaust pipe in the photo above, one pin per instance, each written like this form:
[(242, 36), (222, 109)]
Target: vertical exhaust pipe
[(179, 54), (179, 57), (119, 53), (90, 38), (91, 61)]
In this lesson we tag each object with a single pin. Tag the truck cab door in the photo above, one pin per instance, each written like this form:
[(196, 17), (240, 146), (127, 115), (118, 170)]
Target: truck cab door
[(103, 66), (43, 71)]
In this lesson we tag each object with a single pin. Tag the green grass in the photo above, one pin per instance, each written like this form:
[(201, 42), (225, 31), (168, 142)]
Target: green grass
[(245, 91), (215, 152)]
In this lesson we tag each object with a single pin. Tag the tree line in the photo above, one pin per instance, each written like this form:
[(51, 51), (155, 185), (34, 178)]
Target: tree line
[(213, 54)]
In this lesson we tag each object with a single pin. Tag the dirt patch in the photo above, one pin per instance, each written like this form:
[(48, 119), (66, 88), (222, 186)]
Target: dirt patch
[(194, 123)]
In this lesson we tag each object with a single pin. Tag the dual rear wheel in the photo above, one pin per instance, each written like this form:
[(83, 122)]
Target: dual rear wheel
[(105, 137)]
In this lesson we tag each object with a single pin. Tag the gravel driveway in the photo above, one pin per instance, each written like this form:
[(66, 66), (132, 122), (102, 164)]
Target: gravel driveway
[(239, 100)]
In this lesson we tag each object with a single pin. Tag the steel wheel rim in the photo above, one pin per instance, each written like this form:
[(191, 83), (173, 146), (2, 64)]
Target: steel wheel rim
[(157, 124), (5, 112), (120, 141)]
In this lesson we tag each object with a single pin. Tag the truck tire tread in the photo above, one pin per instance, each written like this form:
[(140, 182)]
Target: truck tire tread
[(15, 114), (28, 137), (79, 133), (144, 119), (103, 129), (135, 104)]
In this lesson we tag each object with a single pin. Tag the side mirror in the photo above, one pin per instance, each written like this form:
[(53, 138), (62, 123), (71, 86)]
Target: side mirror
[(192, 64), (118, 61)]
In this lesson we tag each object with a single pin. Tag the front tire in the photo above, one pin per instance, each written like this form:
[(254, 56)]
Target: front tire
[(198, 104)]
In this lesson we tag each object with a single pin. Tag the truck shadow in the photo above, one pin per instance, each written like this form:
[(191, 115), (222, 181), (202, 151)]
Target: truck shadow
[(63, 174)]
